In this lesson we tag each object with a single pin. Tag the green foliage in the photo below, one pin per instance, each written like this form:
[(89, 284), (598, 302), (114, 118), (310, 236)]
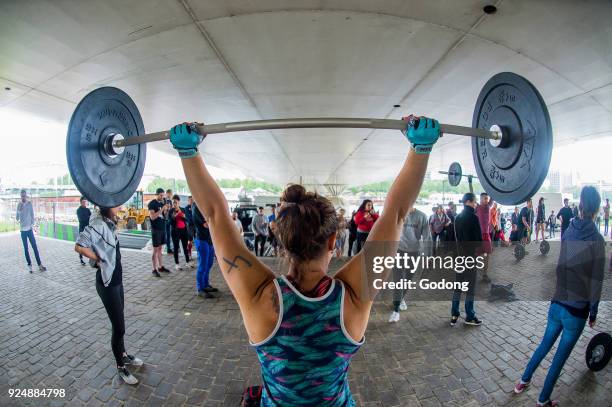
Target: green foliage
[(429, 187), (180, 186), (8, 226)]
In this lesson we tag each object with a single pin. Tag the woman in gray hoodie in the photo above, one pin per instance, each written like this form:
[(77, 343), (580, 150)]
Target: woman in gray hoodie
[(99, 243)]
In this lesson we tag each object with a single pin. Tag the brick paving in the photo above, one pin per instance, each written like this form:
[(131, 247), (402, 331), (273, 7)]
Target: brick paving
[(54, 333)]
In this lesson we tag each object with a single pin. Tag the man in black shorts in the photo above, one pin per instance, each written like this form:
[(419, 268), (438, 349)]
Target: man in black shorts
[(157, 212), (83, 215)]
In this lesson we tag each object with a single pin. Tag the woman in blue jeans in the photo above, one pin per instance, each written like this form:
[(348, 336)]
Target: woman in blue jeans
[(578, 290)]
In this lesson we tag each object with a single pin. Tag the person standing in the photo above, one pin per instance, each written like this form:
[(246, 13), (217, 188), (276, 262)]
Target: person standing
[(469, 238), (206, 254), (178, 231), (580, 274), (606, 211), (552, 224), (25, 217), (341, 233), (99, 242), (364, 218), (259, 226), (83, 215), (352, 229), (483, 212), (525, 222), (238, 223), (157, 208), (167, 225), (190, 229), (540, 218), (514, 220), (566, 214), (438, 223), (414, 240)]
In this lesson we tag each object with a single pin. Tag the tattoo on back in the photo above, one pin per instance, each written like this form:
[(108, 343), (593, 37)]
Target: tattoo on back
[(275, 304), (234, 263)]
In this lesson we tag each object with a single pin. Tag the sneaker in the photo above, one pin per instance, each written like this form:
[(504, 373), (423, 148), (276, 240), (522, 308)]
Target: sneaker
[(205, 294), (127, 377), (519, 387), (473, 321), (453, 320), (42, 268), (83, 263), (211, 289), (177, 267), (403, 306), (394, 316), (188, 265), (30, 269), (486, 279), (132, 361), (164, 270), (549, 403), (156, 273)]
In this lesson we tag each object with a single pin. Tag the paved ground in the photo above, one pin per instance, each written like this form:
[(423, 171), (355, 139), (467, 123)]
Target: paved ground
[(54, 333)]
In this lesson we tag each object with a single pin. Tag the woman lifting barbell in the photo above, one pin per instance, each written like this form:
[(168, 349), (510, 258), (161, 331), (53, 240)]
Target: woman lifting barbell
[(305, 326)]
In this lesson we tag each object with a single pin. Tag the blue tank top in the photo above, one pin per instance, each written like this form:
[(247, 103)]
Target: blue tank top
[(305, 360)]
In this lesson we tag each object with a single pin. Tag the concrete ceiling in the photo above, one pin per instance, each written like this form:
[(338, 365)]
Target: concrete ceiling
[(230, 60)]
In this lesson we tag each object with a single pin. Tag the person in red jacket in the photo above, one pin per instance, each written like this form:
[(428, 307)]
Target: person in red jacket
[(364, 218)]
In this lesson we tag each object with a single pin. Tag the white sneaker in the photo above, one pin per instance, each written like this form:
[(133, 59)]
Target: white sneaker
[(132, 361), (394, 317), (403, 306), (127, 377), (30, 269), (188, 265), (177, 267)]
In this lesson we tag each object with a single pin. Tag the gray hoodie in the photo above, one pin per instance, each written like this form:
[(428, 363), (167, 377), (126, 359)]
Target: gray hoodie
[(259, 225), (415, 233), (101, 238)]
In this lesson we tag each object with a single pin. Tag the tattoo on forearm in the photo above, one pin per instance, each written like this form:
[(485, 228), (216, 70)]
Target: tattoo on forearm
[(234, 264)]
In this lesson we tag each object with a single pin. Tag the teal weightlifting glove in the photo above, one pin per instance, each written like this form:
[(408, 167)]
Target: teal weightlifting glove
[(422, 132), (185, 139)]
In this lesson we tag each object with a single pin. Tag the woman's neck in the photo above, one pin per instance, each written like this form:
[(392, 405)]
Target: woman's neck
[(307, 275)]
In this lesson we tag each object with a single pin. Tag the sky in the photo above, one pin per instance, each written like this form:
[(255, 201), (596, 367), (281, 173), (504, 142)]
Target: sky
[(34, 150)]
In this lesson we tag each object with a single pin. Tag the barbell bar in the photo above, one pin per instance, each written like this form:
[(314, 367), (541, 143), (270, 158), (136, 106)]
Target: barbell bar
[(308, 123), (511, 140)]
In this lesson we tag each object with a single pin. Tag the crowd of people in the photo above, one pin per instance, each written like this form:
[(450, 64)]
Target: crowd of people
[(306, 311)]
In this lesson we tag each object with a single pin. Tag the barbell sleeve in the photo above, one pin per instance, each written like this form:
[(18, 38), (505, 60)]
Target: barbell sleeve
[(311, 123)]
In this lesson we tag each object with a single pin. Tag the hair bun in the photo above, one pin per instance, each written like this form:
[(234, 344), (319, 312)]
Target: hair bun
[(294, 194)]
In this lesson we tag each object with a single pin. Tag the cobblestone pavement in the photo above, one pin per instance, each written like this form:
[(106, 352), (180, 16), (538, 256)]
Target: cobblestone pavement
[(54, 333)]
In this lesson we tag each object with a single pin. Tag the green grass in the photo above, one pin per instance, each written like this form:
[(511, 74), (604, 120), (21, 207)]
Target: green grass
[(8, 226)]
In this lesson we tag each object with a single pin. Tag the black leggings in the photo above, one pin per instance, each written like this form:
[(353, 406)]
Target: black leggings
[(361, 239), (112, 298), (182, 236)]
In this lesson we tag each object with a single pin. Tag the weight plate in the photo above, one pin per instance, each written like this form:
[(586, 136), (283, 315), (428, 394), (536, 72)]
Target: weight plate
[(106, 179), (519, 251), (514, 171), (599, 351), (544, 247), (454, 174)]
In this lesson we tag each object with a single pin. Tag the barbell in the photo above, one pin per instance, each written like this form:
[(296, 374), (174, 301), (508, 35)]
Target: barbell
[(511, 145), (455, 173)]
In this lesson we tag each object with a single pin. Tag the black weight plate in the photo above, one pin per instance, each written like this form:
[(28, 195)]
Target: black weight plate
[(513, 172), (105, 180), (519, 251), (544, 247), (454, 174), (599, 351)]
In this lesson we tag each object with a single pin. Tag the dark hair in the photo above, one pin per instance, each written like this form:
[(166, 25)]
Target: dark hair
[(260, 208), (82, 199), (363, 204), (176, 197), (589, 201), (468, 197), (566, 200), (159, 191), (190, 197), (483, 194), (540, 200), (105, 212), (168, 191), (305, 223), (23, 191)]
